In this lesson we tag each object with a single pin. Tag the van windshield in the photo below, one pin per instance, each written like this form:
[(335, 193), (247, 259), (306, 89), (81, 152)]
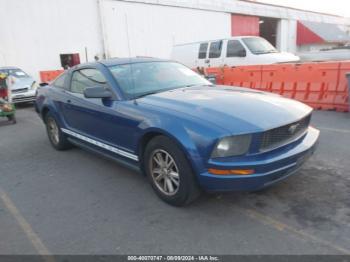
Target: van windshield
[(259, 45)]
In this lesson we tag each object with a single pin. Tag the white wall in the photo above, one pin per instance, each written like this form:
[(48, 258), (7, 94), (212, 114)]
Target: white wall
[(35, 32), (287, 35), (251, 8), (154, 29), (315, 47)]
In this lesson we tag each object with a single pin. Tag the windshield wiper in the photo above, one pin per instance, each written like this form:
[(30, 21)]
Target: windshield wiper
[(169, 89), (148, 93)]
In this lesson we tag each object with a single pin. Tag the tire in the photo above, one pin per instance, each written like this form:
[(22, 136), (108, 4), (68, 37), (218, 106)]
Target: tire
[(57, 138), (12, 119), (176, 185)]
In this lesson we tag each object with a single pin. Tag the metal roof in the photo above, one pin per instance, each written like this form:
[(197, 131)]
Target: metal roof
[(331, 33), (8, 67), (250, 8)]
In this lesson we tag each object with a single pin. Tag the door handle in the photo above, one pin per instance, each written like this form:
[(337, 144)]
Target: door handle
[(69, 101)]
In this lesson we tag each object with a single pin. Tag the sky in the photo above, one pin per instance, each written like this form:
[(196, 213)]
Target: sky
[(337, 7)]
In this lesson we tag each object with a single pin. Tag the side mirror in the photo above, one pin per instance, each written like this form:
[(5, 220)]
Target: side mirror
[(43, 84), (242, 53), (97, 92)]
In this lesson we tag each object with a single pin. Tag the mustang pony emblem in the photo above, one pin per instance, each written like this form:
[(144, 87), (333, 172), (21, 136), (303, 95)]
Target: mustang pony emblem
[(293, 128)]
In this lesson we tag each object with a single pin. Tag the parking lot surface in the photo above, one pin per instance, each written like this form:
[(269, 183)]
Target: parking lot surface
[(75, 202)]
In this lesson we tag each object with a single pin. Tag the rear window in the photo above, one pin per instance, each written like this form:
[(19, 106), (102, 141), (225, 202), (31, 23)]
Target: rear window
[(203, 47), (215, 49)]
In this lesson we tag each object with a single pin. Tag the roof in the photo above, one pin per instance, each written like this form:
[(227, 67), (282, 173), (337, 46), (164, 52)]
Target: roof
[(131, 60), (218, 39), (329, 33), (290, 8), (8, 67)]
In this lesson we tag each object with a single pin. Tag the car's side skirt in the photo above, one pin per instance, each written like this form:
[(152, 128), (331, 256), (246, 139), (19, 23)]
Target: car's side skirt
[(101, 145), (132, 165)]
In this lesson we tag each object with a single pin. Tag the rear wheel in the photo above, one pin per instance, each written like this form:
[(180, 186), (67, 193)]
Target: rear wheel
[(169, 172), (57, 138), (12, 118)]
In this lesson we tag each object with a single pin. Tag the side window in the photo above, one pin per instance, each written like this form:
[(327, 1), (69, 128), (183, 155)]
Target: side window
[(215, 49), (84, 78), (203, 47), (60, 81), (234, 49)]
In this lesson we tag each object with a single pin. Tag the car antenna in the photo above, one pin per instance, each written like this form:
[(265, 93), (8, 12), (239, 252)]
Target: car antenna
[(129, 50)]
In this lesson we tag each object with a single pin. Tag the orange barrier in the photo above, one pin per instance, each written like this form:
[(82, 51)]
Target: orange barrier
[(279, 79), (216, 71), (48, 76), (245, 76), (320, 85), (341, 100)]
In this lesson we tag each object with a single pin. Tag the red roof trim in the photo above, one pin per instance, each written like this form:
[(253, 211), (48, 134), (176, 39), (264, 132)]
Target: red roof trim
[(306, 36)]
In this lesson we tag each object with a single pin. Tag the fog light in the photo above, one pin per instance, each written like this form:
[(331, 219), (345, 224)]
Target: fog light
[(239, 172)]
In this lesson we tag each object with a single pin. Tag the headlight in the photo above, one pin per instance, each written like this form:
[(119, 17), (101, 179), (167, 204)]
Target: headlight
[(34, 86), (232, 146)]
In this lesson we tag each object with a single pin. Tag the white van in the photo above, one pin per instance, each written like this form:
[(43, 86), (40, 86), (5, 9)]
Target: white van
[(233, 51)]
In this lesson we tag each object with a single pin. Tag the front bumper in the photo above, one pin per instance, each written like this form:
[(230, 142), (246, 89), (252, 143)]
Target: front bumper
[(28, 96), (270, 167)]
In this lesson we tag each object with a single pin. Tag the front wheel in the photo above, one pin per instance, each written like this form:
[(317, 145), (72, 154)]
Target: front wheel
[(169, 172)]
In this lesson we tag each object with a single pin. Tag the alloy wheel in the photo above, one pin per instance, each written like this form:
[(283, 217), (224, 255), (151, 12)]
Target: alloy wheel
[(164, 171), (53, 130)]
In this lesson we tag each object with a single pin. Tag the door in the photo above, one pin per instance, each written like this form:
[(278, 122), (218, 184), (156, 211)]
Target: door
[(100, 120), (236, 54), (202, 55), (215, 58)]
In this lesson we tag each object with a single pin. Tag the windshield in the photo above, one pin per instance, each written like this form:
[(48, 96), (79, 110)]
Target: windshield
[(140, 79), (16, 72), (259, 45)]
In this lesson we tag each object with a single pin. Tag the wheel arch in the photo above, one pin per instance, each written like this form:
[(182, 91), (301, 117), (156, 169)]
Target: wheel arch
[(44, 112), (151, 134)]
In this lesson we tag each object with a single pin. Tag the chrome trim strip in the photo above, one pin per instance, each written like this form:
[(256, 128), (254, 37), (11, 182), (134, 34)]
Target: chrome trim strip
[(100, 144)]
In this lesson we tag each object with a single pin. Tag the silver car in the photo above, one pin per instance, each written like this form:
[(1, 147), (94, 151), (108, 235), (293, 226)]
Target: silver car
[(22, 86)]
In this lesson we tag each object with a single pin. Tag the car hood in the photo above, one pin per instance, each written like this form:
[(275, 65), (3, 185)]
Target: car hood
[(20, 83), (238, 110)]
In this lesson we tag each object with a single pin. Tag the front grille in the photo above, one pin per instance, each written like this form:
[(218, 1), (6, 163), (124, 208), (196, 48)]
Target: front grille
[(21, 90), (23, 99), (285, 134)]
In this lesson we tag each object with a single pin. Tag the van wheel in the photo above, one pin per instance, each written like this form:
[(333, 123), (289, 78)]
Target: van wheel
[(57, 138), (169, 172)]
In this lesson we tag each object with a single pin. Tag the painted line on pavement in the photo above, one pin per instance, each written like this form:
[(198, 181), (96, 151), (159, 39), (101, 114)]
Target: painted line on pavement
[(26, 227)]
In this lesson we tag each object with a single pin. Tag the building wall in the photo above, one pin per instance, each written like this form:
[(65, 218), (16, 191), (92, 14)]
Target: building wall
[(35, 32), (138, 29), (286, 35)]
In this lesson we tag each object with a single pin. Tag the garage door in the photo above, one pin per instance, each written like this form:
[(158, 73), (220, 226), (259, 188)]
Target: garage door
[(244, 25)]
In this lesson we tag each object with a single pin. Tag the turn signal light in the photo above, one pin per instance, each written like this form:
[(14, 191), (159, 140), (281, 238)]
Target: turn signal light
[(231, 171)]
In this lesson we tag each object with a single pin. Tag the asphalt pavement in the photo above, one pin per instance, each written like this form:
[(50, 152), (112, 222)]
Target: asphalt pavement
[(75, 202)]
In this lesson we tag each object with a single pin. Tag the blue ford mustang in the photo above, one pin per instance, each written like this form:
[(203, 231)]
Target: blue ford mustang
[(184, 133)]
